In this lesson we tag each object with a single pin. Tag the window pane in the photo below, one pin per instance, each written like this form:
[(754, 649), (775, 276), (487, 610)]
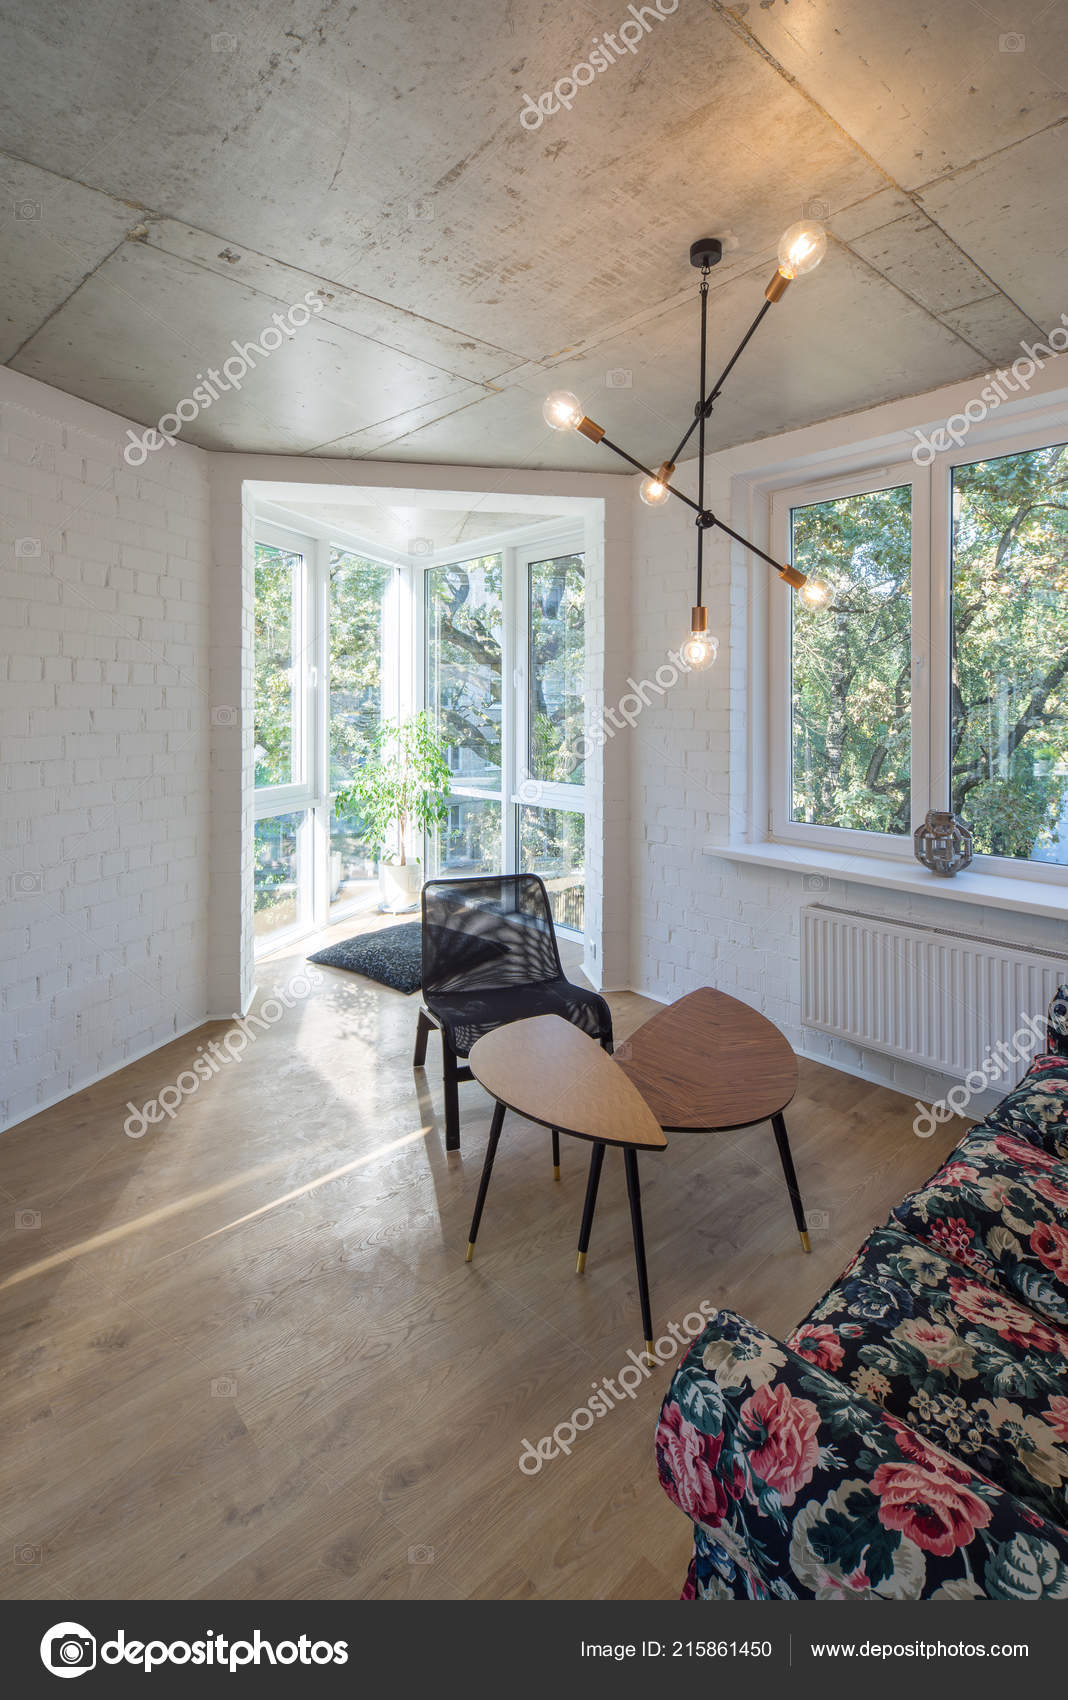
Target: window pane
[(358, 591), (276, 873), (273, 663), (469, 841), (353, 869), (556, 670), (1009, 700), (552, 843), (851, 690), (464, 622)]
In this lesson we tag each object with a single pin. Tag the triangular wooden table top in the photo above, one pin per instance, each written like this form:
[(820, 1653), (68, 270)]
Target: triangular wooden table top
[(546, 1069), (709, 1061)]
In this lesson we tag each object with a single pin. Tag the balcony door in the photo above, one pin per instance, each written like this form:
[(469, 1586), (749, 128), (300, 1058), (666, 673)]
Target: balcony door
[(325, 646)]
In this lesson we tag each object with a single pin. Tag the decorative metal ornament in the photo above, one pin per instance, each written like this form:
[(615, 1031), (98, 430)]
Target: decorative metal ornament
[(943, 843)]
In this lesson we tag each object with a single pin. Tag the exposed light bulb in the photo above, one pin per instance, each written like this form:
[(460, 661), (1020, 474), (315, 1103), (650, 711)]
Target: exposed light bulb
[(801, 248), (700, 647), (816, 594), (561, 410), (653, 492)]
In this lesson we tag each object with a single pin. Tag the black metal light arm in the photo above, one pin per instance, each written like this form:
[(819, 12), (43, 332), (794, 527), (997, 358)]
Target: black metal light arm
[(704, 407)]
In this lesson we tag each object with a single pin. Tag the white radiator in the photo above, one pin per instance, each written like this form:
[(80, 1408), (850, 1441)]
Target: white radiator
[(937, 998)]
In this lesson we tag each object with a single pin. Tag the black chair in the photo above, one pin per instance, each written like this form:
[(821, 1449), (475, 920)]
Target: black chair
[(489, 957)]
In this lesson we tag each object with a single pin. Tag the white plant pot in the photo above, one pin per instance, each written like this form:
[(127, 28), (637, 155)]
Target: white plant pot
[(400, 886)]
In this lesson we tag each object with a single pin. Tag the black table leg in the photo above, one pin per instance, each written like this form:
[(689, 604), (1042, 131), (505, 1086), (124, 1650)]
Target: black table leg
[(487, 1169), (556, 1153), (778, 1122), (630, 1163), (596, 1159)]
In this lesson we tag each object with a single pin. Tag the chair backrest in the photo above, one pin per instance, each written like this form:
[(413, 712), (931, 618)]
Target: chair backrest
[(492, 931)]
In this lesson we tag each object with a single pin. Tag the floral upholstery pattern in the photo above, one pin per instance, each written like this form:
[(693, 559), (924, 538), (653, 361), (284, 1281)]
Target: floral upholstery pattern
[(798, 1489), (910, 1440), (1037, 1109), (960, 1362), (1000, 1207)]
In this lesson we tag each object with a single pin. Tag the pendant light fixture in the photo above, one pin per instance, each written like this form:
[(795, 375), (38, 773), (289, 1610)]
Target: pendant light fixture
[(801, 249)]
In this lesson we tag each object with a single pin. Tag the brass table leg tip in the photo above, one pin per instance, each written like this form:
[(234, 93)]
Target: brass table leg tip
[(580, 1263), (650, 1354), (470, 1252), (556, 1171), (805, 1243)]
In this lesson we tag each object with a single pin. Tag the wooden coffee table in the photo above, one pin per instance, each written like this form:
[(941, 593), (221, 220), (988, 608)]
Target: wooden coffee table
[(550, 1072), (709, 1063)]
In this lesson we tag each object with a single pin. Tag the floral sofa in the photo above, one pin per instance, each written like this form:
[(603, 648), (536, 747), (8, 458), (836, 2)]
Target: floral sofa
[(910, 1439)]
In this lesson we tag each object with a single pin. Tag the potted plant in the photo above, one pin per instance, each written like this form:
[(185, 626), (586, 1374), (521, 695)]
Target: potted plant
[(400, 792)]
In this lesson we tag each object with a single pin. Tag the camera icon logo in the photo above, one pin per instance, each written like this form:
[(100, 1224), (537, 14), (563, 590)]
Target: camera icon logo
[(224, 715), (27, 1221), (420, 1555), (1012, 43), (223, 42), (68, 1649), (420, 545), (26, 209), (814, 882), (27, 547), (815, 209), (618, 378)]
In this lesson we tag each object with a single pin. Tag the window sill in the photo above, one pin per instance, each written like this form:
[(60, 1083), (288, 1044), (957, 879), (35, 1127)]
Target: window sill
[(1029, 897)]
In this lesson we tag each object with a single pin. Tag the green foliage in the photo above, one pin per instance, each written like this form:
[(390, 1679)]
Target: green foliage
[(273, 664), (557, 593), (403, 782), (1010, 650), (852, 709)]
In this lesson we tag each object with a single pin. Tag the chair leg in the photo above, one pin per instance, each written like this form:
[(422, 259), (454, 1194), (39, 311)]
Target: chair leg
[(452, 1096), (556, 1153), (596, 1159), (422, 1034), (778, 1122), (630, 1163), (483, 1185)]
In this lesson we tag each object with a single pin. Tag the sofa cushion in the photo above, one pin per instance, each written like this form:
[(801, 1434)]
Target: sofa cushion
[(1037, 1109), (799, 1489), (976, 1372), (1000, 1206)]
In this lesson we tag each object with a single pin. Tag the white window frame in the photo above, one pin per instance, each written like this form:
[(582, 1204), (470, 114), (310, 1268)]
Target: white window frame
[(310, 794), (931, 596), (540, 544)]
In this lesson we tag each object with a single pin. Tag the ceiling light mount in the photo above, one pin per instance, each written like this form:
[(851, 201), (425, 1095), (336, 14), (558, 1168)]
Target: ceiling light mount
[(801, 249), (706, 252)]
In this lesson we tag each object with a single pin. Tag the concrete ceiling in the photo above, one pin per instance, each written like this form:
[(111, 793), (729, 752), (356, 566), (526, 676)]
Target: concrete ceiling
[(173, 172)]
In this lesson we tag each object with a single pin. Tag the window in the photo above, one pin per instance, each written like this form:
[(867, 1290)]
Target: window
[(325, 673), (504, 667), (938, 676), (1008, 698), (851, 709)]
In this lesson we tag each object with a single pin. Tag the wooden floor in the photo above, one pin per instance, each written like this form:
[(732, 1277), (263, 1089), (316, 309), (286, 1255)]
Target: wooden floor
[(243, 1356)]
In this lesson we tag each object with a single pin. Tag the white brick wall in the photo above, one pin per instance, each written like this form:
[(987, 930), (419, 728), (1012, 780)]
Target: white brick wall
[(104, 753), (700, 919)]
